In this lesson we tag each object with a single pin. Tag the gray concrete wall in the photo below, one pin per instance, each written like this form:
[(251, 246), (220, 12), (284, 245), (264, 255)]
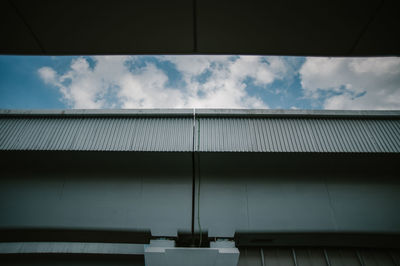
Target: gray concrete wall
[(140, 192), (259, 193), (239, 193)]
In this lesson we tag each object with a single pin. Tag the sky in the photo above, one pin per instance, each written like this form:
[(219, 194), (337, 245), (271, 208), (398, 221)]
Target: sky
[(199, 81)]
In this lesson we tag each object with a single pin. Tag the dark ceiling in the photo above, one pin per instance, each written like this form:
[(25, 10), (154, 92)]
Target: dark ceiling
[(279, 27)]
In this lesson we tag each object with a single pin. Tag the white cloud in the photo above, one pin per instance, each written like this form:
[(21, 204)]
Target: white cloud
[(210, 81), (353, 83), (47, 74), (147, 89), (196, 64), (226, 85)]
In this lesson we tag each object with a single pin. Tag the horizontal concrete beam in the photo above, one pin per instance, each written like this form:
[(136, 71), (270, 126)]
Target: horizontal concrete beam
[(70, 248), (203, 113)]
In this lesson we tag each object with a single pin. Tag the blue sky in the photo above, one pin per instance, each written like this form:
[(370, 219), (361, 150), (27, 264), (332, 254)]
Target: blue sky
[(201, 81)]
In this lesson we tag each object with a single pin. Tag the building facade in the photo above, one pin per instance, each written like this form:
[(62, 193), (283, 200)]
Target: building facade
[(83, 187)]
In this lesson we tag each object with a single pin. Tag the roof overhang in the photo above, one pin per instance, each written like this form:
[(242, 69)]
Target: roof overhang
[(301, 28), (202, 112), (201, 130)]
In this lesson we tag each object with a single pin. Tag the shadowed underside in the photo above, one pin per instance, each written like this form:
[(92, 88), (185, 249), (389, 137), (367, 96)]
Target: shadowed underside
[(313, 28)]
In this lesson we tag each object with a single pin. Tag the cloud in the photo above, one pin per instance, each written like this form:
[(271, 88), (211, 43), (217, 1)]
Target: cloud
[(353, 83), (140, 82), (47, 74), (147, 89), (227, 83)]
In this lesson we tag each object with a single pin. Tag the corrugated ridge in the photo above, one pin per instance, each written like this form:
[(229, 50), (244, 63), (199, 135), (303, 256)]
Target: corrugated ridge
[(237, 134), (300, 135), (96, 134)]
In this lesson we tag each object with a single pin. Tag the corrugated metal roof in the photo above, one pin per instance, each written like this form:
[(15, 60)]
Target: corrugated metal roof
[(227, 131), (298, 135), (96, 134), (284, 256)]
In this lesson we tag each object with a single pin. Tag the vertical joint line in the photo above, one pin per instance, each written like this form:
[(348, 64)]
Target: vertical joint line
[(262, 257), (247, 207), (294, 257), (195, 167), (360, 259), (327, 258), (194, 26), (199, 182), (193, 174)]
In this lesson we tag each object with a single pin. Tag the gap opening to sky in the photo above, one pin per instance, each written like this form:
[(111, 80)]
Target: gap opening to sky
[(199, 81)]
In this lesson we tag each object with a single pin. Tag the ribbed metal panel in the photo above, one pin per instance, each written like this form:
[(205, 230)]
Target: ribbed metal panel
[(298, 135), (212, 134), (96, 134), (317, 256)]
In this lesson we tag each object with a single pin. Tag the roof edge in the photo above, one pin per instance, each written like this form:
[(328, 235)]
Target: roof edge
[(378, 114)]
